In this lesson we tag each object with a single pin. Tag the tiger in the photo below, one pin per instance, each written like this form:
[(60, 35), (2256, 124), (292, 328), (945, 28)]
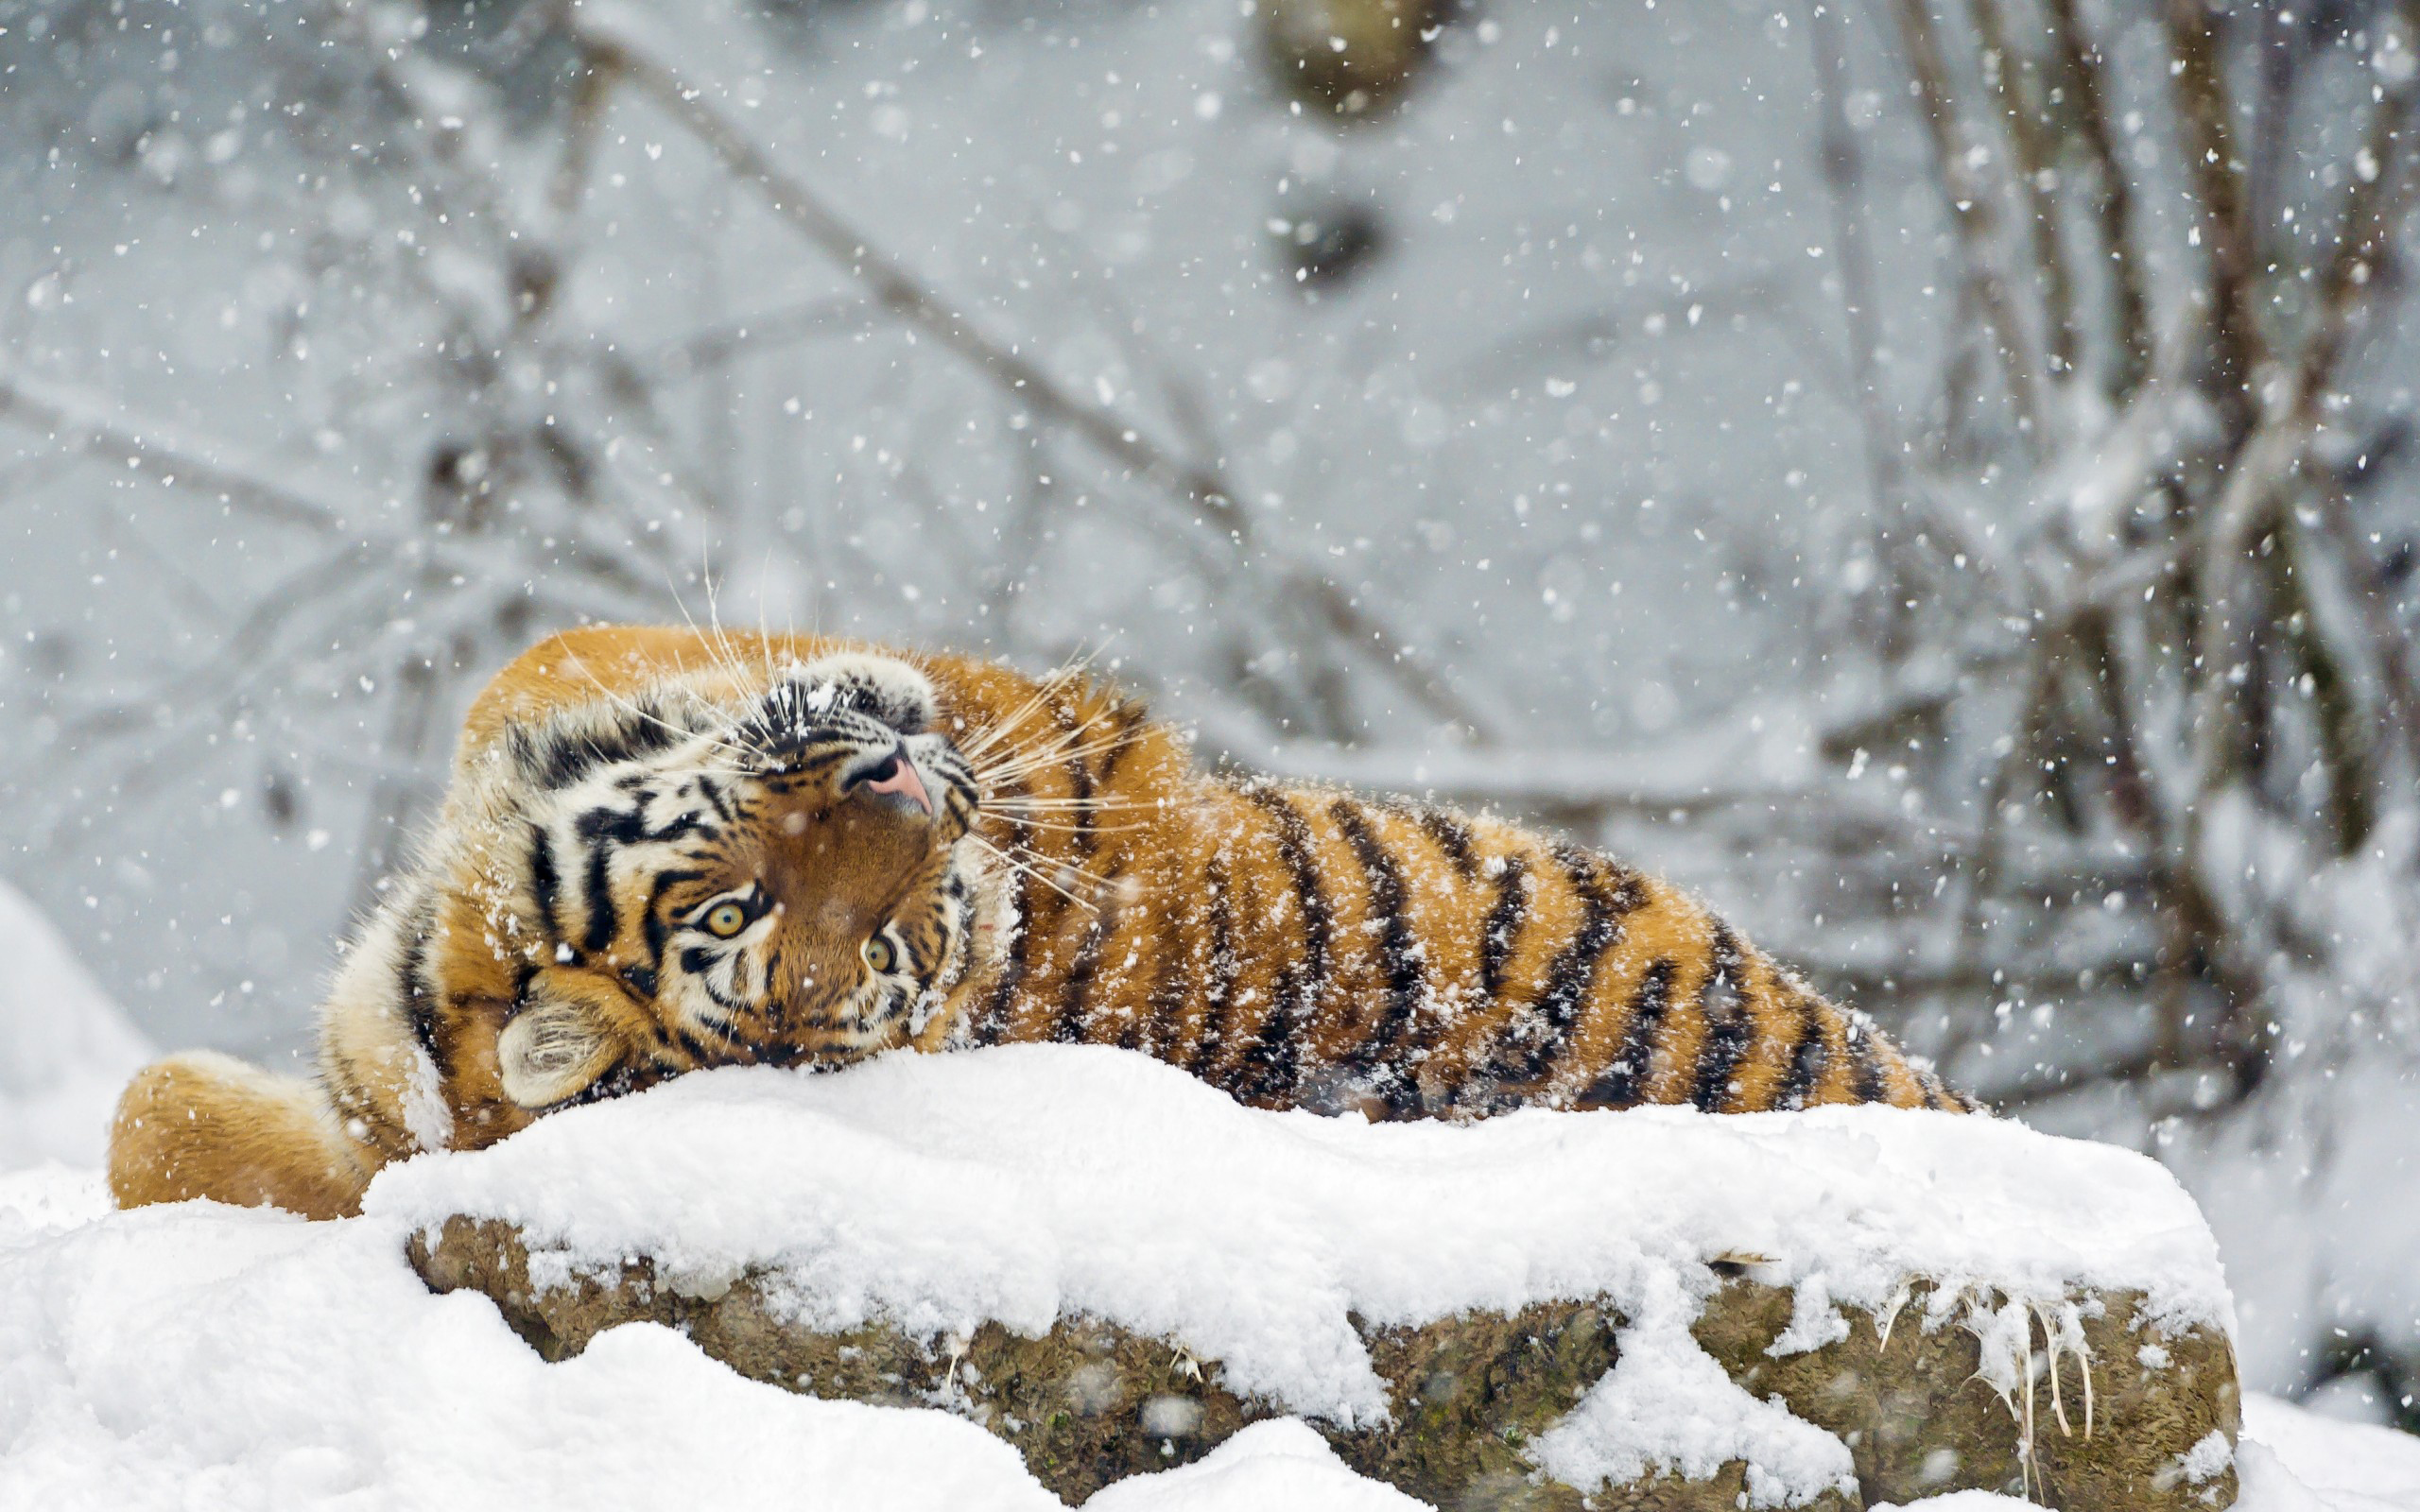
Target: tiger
[(663, 849)]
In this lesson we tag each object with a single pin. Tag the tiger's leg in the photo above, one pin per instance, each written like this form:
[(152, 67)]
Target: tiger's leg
[(203, 1125)]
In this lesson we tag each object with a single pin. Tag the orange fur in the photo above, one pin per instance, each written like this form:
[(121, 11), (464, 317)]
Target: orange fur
[(200, 1124)]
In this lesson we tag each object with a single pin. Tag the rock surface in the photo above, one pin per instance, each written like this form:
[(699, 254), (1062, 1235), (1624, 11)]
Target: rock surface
[(2123, 1414)]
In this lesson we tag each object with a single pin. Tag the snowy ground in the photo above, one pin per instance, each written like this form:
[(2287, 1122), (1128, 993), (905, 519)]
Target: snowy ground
[(237, 1359), (199, 1355)]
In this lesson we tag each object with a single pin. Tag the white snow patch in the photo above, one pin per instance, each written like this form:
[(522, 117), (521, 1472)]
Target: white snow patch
[(426, 1117), (2292, 1460), (1814, 1322), (65, 1050), (2208, 1458), (1667, 1408), (201, 1355), (2266, 1485), (1277, 1466)]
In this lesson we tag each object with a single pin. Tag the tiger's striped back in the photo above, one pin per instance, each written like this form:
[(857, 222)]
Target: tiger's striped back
[(1302, 946)]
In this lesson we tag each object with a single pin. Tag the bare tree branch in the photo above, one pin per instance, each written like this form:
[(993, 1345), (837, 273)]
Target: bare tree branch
[(1210, 499), (2208, 114), (195, 465), (1853, 257), (2037, 187), (1973, 213), (899, 291), (2113, 197), (723, 341), (2375, 204)]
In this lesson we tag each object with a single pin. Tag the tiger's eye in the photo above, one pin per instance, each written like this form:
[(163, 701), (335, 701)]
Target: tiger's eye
[(726, 919), (879, 954)]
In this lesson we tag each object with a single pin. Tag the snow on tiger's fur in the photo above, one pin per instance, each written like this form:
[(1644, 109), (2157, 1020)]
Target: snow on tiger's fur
[(668, 849)]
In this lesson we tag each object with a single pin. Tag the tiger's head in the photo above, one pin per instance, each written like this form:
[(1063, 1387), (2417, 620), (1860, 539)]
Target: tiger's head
[(783, 875)]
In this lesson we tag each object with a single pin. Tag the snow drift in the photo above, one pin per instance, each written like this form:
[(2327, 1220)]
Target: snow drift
[(65, 1050)]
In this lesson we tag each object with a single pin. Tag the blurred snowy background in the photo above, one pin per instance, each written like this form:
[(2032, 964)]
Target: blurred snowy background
[(1937, 475)]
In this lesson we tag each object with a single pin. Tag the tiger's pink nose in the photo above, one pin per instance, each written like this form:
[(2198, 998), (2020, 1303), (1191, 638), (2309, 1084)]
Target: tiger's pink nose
[(898, 775)]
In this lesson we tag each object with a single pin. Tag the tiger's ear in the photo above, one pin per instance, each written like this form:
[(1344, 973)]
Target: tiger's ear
[(556, 1046)]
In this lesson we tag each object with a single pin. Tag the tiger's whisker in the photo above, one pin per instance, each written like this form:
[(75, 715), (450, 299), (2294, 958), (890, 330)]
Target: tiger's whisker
[(1058, 865), (1064, 827), (1065, 869), (985, 739), (1084, 805), (1045, 686), (1054, 757), (1029, 869)]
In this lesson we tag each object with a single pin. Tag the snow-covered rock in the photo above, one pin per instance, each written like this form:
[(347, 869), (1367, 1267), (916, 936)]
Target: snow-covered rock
[(1065, 1242)]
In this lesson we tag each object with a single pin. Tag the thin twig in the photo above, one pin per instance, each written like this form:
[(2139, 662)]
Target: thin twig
[(2218, 176), (2375, 203), (2036, 183), (719, 343), (899, 291), (1972, 211), (1852, 256), (196, 465), (2113, 197)]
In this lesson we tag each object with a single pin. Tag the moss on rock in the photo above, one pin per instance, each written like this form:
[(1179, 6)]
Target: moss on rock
[(1910, 1400)]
